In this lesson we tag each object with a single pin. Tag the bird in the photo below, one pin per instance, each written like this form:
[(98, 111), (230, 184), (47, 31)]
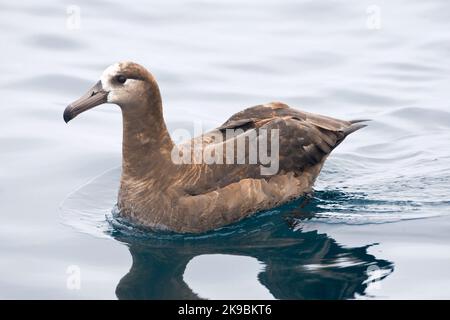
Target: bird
[(162, 188)]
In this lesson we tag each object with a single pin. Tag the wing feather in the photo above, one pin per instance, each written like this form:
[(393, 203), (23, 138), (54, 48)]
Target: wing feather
[(306, 139)]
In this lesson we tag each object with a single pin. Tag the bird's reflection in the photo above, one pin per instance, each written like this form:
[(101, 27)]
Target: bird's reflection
[(298, 264)]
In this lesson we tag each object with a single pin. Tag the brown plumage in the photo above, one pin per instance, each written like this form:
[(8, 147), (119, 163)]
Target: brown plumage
[(158, 193)]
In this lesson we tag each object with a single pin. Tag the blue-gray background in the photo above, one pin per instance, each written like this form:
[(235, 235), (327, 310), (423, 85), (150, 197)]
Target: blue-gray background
[(387, 184)]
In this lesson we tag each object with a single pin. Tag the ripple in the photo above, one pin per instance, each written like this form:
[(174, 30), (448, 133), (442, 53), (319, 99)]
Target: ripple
[(337, 206), (411, 67), (422, 117), (53, 42), (90, 209), (53, 83), (365, 98)]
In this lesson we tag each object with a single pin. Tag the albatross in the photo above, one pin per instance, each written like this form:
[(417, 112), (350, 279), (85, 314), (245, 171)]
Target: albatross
[(158, 192)]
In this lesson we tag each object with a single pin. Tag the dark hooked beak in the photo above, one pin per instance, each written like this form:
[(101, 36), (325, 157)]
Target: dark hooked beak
[(94, 97)]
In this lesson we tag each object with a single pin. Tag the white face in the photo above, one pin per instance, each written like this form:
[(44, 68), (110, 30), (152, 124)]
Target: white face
[(121, 90), (125, 83)]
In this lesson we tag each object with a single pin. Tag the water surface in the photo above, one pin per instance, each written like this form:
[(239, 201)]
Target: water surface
[(378, 224)]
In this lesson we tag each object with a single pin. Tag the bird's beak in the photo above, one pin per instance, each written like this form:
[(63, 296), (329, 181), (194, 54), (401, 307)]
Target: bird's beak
[(94, 97)]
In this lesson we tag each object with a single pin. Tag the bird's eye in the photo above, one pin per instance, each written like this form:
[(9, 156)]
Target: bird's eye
[(121, 79)]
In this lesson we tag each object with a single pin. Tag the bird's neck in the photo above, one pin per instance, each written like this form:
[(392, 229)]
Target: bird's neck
[(146, 145)]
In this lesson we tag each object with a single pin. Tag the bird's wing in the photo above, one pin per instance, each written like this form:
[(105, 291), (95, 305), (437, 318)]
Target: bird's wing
[(313, 129), (279, 110), (305, 139)]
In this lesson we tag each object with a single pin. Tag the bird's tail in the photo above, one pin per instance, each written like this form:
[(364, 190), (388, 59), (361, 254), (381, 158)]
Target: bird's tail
[(355, 125), (359, 120)]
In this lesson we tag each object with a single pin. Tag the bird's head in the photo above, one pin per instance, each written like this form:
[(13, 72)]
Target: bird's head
[(126, 84)]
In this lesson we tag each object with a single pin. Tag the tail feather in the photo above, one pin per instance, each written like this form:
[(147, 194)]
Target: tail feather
[(359, 120), (353, 128)]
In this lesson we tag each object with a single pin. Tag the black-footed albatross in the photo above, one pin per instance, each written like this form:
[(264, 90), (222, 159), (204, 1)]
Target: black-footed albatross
[(157, 190)]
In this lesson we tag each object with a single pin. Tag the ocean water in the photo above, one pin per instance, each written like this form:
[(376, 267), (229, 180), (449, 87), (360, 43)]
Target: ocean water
[(377, 226)]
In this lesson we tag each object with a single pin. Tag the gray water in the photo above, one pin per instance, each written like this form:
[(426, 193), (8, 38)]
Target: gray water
[(378, 224)]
